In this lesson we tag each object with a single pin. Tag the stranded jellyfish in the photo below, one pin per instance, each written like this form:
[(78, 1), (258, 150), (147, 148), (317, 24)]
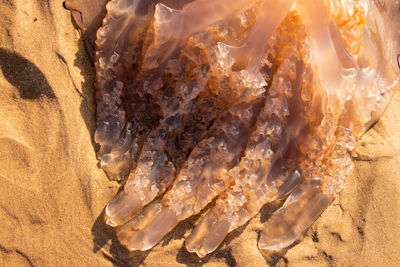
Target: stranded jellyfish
[(234, 103)]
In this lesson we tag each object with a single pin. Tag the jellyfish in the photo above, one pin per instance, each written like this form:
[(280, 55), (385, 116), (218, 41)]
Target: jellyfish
[(233, 103)]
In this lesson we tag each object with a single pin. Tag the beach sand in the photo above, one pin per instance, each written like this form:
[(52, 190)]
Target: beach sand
[(53, 193)]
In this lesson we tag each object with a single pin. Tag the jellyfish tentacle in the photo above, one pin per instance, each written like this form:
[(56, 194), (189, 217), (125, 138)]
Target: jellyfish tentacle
[(334, 69), (327, 160), (203, 176), (300, 210), (269, 17), (306, 203), (186, 118), (172, 27), (146, 230), (157, 164), (378, 76), (266, 171), (115, 133), (125, 112)]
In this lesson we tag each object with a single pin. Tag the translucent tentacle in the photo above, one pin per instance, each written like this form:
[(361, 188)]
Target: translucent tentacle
[(203, 176), (187, 110), (306, 203), (172, 27), (115, 54), (157, 164), (146, 230), (128, 98), (379, 71), (267, 170), (327, 161), (334, 69), (269, 18), (332, 80), (299, 211)]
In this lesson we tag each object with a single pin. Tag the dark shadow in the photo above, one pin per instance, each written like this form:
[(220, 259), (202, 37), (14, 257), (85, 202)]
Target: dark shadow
[(269, 209), (179, 231), (25, 76), (192, 260), (223, 251), (88, 103), (84, 61), (273, 257), (117, 254)]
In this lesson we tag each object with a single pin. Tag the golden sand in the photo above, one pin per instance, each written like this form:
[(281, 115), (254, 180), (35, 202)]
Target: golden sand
[(52, 191)]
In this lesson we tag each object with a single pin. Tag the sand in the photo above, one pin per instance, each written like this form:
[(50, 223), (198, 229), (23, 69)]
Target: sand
[(53, 193)]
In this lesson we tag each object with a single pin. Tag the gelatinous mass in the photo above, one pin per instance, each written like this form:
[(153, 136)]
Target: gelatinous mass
[(238, 102)]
